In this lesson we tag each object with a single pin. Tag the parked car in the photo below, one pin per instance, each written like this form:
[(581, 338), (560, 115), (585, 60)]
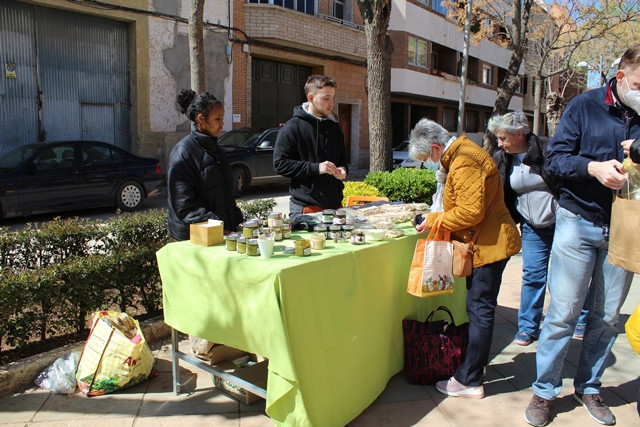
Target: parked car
[(401, 157), (60, 176), (250, 154)]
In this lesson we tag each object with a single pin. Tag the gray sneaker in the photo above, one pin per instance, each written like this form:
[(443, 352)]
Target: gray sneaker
[(596, 408), (537, 413)]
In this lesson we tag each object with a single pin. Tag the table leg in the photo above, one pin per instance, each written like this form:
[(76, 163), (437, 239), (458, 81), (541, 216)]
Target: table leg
[(175, 364)]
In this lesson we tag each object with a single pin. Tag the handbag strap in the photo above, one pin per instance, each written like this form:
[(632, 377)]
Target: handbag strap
[(440, 308), (436, 232)]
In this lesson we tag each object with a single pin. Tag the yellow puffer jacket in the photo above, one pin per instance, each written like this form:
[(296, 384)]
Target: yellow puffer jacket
[(472, 183), (632, 328)]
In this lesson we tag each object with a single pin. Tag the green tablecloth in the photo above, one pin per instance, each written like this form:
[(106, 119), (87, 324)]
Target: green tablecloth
[(330, 323)]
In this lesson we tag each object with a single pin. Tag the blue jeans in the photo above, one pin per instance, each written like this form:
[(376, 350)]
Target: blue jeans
[(536, 248), (579, 258)]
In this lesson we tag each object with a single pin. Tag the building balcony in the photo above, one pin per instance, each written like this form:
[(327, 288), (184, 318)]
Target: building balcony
[(280, 26)]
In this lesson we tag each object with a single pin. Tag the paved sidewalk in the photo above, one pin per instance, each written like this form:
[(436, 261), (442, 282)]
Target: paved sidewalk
[(507, 388)]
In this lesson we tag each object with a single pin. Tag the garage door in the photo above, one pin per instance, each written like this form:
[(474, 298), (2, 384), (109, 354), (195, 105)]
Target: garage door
[(62, 69), (277, 87)]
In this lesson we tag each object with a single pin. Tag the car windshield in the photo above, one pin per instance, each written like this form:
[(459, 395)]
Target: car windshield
[(239, 138), (403, 146), (16, 157)]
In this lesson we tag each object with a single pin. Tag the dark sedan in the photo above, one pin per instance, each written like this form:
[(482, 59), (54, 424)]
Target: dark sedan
[(60, 176), (250, 154)]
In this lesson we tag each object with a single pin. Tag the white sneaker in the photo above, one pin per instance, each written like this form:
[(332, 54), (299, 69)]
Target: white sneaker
[(452, 387)]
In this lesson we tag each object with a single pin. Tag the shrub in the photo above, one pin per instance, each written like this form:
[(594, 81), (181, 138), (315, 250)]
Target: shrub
[(358, 188), (257, 208), (54, 276), (409, 185)]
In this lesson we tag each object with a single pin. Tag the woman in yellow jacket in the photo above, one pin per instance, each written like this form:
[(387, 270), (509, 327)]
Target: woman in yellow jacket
[(473, 185)]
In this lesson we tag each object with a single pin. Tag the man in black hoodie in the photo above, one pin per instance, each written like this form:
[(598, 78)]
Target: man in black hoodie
[(310, 150)]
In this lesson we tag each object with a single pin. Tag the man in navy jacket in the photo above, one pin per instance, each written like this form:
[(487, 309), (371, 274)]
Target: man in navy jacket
[(310, 150), (586, 155)]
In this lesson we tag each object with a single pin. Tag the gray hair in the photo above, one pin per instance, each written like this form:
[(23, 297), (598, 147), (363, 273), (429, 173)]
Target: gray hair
[(510, 123), (425, 133)]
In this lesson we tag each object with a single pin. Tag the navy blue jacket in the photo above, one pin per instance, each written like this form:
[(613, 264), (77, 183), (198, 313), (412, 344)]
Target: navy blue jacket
[(200, 185), (591, 129), (303, 143)]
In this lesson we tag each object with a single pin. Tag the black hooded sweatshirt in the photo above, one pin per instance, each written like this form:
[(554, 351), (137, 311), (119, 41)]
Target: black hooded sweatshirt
[(303, 143)]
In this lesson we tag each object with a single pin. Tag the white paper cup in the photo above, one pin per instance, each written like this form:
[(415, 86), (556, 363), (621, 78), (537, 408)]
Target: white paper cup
[(266, 247)]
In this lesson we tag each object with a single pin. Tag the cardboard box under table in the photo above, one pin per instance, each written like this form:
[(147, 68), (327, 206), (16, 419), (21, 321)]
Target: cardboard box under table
[(330, 324), (255, 374)]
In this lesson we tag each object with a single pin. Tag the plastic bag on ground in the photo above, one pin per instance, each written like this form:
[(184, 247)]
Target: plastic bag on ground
[(60, 376)]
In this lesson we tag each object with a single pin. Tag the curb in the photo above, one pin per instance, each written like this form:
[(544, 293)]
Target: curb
[(18, 376)]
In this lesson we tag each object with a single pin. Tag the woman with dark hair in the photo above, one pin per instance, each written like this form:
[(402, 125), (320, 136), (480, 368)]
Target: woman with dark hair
[(199, 177)]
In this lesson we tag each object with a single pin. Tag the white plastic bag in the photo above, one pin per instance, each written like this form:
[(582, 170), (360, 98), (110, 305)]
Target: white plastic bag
[(60, 376), (441, 179)]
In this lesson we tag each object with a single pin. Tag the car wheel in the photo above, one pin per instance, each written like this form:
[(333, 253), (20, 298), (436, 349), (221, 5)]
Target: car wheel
[(129, 196), (239, 180)]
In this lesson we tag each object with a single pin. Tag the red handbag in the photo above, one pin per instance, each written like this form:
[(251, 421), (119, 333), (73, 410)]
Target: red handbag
[(433, 350)]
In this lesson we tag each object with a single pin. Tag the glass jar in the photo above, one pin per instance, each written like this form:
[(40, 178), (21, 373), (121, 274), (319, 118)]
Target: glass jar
[(347, 231), (335, 232), (242, 245), (286, 231), (252, 247), (231, 241), (278, 232), (250, 229), (327, 215), (321, 228)]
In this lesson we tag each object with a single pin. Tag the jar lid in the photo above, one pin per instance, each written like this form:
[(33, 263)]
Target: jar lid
[(335, 228), (252, 242), (327, 212), (242, 239), (231, 237), (251, 223)]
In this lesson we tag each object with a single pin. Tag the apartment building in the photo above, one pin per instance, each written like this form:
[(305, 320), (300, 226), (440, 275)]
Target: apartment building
[(282, 42), (111, 71), (426, 70)]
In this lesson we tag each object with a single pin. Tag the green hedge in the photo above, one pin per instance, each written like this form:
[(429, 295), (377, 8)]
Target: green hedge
[(358, 188), (409, 185), (54, 276)]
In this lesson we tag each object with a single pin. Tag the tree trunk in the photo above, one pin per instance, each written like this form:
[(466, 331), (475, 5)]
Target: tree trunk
[(508, 86), (196, 46), (555, 108), (376, 15), (537, 103)]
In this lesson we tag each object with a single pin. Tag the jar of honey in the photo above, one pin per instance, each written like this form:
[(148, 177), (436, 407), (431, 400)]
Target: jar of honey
[(252, 247), (241, 245), (231, 241), (250, 229)]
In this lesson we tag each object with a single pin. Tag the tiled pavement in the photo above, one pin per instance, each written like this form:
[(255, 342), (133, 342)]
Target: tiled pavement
[(507, 388)]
